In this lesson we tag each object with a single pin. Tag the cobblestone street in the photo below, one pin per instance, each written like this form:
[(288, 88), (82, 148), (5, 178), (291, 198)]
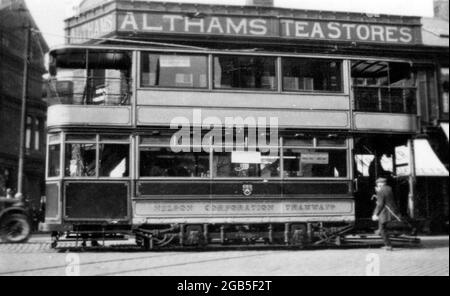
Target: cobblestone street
[(36, 258)]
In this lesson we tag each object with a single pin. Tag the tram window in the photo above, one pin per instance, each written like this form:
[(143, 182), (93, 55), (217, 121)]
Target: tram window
[(384, 86), (81, 138), (246, 165), (299, 141), (54, 138), (312, 75), (80, 160), (114, 160), (164, 163), (245, 72), (54, 161), (312, 163), (115, 138), (99, 77), (67, 87), (331, 142), (156, 141), (178, 71)]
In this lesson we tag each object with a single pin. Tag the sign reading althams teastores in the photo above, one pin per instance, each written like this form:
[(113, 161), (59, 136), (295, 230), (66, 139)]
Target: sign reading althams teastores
[(343, 27)]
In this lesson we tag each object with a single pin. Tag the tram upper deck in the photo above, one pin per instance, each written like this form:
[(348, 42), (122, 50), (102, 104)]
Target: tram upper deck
[(123, 87)]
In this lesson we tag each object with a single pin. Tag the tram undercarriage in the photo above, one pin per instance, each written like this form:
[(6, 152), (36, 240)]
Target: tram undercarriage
[(191, 236)]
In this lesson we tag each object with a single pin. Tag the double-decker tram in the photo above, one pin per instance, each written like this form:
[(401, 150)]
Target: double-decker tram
[(192, 147)]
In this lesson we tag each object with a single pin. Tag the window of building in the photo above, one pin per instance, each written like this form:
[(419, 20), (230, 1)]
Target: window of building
[(245, 72), (384, 87), (28, 132), (312, 75), (6, 181), (174, 70), (37, 134)]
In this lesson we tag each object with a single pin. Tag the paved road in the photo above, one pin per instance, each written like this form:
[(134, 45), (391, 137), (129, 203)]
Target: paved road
[(36, 258)]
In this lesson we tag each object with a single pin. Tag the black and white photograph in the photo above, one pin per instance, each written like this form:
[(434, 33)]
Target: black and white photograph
[(224, 143)]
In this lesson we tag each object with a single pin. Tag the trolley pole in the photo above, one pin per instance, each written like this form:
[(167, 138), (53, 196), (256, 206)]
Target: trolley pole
[(23, 117)]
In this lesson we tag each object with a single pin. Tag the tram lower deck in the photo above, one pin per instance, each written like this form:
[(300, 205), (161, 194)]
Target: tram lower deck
[(307, 189)]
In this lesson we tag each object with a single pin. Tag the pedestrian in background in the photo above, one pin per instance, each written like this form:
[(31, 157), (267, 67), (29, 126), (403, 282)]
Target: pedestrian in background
[(385, 210)]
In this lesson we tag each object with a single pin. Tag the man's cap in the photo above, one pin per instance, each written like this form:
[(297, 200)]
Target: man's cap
[(381, 180)]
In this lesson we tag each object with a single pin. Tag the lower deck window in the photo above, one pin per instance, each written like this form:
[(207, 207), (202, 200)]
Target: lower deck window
[(81, 160), (163, 162), (311, 163), (246, 165), (98, 156), (114, 160), (54, 162)]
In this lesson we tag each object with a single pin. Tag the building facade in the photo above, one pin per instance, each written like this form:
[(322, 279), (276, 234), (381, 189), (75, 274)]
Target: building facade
[(15, 19), (433, 191)]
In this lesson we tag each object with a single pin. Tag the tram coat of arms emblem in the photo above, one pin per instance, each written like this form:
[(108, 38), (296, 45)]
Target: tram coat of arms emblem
[(247, 189)]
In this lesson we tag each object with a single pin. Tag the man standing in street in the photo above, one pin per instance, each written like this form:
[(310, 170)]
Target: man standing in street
[(385, 210)]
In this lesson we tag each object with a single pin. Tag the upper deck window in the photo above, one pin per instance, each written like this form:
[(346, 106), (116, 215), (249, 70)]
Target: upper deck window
[(384, 87), (90, 77), (312, 75), (174, 70), (245, 72)]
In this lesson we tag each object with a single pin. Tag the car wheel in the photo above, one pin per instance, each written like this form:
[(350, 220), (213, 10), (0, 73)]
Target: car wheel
[(15, 229)]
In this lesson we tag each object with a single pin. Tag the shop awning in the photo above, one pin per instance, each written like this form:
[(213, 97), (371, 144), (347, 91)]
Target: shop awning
[(427, 162), (445, 128)]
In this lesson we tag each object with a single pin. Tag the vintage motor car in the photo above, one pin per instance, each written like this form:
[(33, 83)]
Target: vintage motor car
[(15, 226)]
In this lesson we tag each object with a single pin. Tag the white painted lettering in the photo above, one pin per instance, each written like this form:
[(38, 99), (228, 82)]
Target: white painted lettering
[(258, 27), (129, 20), (232, 28), (215, 25), (300, 29), (406, 35), (336, 31)]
